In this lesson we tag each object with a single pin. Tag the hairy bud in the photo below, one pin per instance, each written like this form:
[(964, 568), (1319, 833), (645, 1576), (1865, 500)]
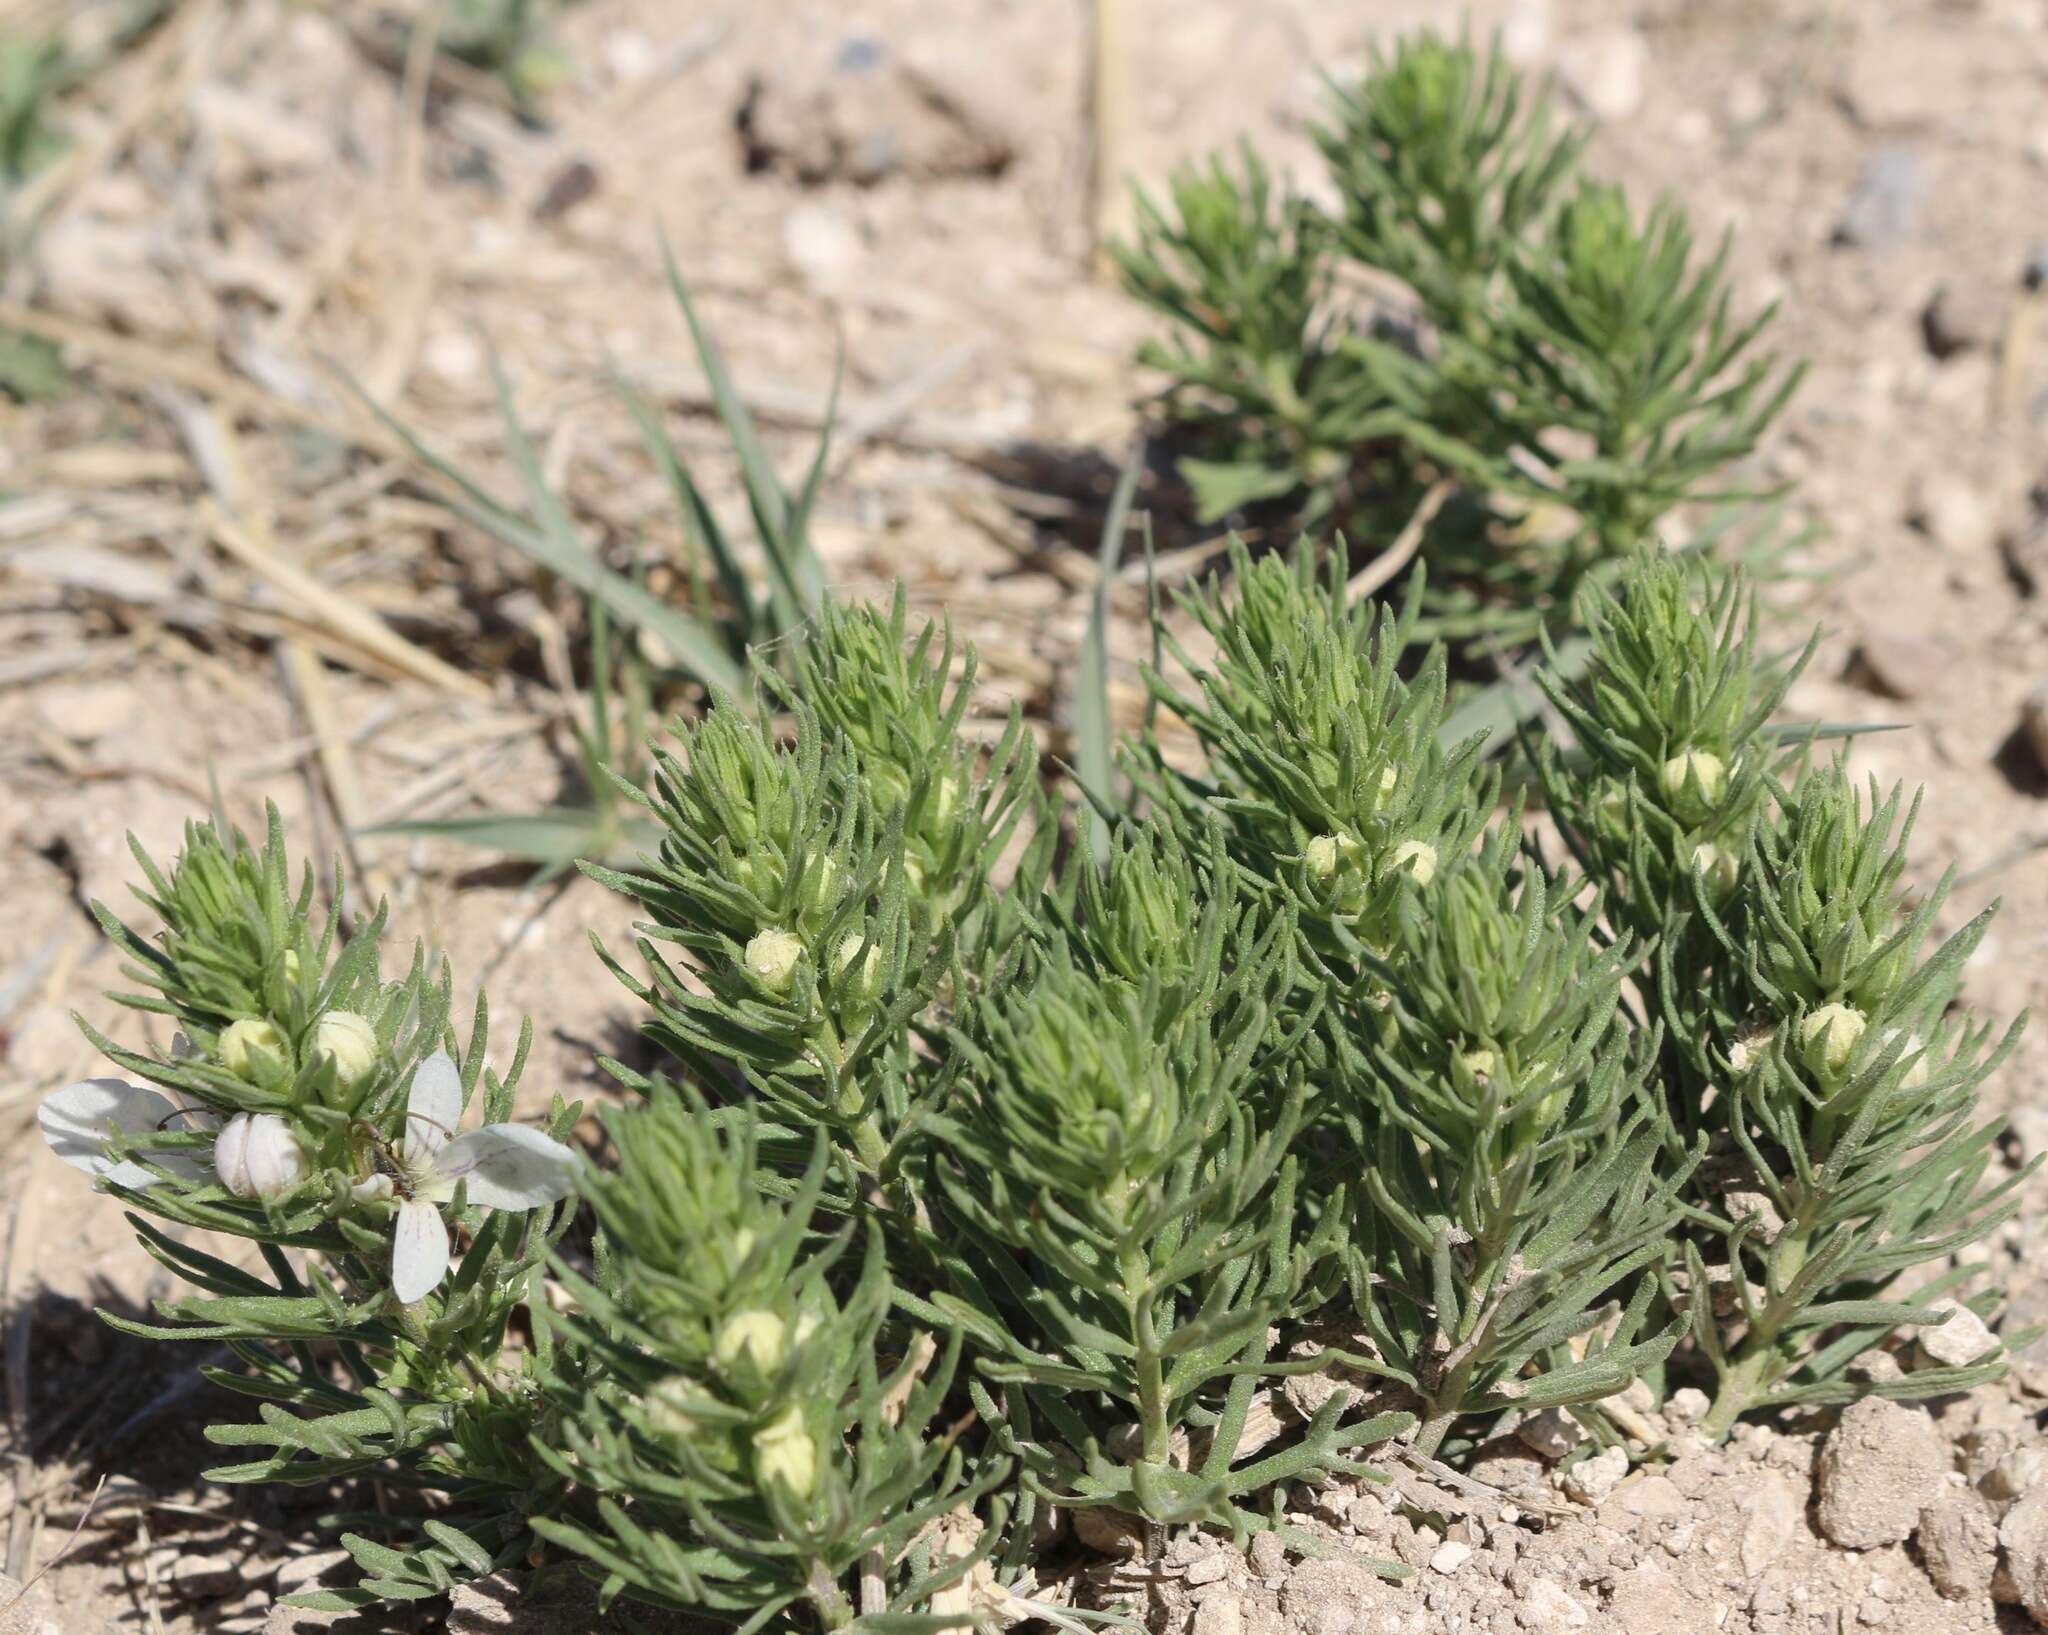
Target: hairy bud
[(1694, 782), (248, 1045), (350, 1042), (784, 1452), (1828, 1038), (771, 958), (256, 1155), (760, 1337), (1418, 857)]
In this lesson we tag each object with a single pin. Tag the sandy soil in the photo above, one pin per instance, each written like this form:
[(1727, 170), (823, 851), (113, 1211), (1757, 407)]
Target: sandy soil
[(263, 190)]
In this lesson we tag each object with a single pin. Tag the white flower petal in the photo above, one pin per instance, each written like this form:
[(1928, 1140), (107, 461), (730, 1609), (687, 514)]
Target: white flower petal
[(419, 1251), (509, 1166), (433, 1107), (77, 1120)]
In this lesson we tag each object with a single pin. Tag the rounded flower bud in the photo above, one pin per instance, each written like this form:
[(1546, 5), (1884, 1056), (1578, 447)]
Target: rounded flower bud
[(1699, 768), (771, 958), (823, 889), (1717, 864), (1338, 861), (945, 802), (1480, 1064), (785, 1453), (760, 1337), (1746, 1054), (350, 1042), (1828, 1037), (256, 1155), (1914, 1047), (665, 1408), (248, 1044), (864, 986), (291, 966), (1418, 857)]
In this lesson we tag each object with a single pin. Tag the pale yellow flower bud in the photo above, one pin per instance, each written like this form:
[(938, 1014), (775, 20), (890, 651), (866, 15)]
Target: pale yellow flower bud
[(1321, 856), (291, 966), (759, 1336), (771, 958), (1829, 1037), (785, 1453), (867, 983), (665, 1408), (1746, 1054), (351, 1043), (1480, 1064), (1418, 857), (1917, 1074), (1696, 765), (1717, 864), (247, 1042), (945, 801)]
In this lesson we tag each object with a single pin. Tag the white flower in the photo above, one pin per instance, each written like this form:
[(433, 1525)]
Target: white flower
[(78, 1121), (504, 1166), (256, 1155)]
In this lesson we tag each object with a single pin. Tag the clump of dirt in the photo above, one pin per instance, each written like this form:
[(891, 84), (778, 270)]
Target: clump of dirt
[(1892, 1517)]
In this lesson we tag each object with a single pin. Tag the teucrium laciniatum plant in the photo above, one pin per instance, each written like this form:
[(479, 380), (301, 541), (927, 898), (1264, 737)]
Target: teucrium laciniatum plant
[(1521, 331), (1314, 1101), (999, 1181)]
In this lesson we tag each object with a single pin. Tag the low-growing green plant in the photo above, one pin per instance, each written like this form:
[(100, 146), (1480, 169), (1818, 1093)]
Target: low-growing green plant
[(311, 1109), (1564, 358), (1003, 1175), (1807, 1042)]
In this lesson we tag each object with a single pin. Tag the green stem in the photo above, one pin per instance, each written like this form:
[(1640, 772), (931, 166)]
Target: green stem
[(1137, 1276), (834, 1612), (1742, 1381), (1740, 1384), (1444, 1406), (869, 1145)]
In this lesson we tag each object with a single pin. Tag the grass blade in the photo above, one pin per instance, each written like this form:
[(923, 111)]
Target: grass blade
[(1093, 738), (693, 645)]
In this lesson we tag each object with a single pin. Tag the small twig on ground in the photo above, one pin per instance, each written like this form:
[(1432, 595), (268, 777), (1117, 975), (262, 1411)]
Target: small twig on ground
[(155, 1620), (1375, 574)]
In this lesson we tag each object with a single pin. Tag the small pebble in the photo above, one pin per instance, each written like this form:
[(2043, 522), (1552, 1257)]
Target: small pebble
[(1592, 1479), (1885, 206), (1450, 1556), (1959, 1341)]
